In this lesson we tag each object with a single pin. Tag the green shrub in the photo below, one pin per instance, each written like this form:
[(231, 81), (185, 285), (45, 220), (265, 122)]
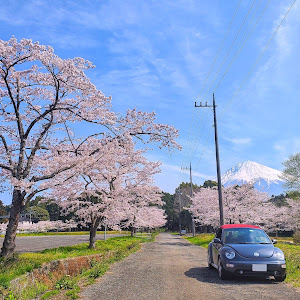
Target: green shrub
[(98, 270), (65, 283)]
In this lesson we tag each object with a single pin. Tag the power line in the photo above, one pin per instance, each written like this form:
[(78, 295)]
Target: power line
[(204, 147), (198, 137), (232, 44), (256, 62), (236, 53), (249, 73), (239, 48), (221, 46), (190, 152), (191, 125)]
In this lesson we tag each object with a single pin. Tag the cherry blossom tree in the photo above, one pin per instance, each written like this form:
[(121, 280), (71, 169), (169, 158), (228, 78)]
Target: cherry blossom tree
[(285, 217), (143, 198), (204, 206), (42, 97), (149, 217), (111, 188), (243, 204)]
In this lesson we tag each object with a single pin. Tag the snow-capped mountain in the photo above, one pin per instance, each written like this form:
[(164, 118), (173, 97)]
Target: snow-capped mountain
[(265, 178)]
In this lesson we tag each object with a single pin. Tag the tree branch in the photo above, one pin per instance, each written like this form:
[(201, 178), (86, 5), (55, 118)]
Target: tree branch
[(8, 152)]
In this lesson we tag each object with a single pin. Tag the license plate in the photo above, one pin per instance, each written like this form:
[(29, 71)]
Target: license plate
[(259, 267)]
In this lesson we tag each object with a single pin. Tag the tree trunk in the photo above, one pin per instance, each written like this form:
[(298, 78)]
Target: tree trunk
[(9, 244), (132, 229), (93, 232)]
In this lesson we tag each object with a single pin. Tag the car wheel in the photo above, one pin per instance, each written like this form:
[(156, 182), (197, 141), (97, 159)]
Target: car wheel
[(280, 278), (209, 261), (223, 275)]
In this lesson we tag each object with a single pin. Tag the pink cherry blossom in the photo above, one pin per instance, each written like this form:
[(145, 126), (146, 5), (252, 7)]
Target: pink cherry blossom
[(244, 204), (43, 97)]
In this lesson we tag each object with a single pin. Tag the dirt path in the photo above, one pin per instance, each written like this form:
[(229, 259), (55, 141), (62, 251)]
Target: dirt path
[(172, 268), (39, 243)]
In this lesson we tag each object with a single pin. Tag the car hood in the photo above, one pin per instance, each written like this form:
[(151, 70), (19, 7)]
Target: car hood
[(248, 250)]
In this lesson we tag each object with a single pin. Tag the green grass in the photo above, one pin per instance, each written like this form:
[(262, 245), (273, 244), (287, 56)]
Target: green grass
[(68, 233), (292, 257), (291, 252), (20, 264), (202, 239)]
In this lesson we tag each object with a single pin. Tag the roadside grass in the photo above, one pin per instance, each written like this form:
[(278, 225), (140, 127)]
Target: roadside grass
[(292, 257), (68, 233), (291, 252), (202, 239), (283, 239), (20, 264)]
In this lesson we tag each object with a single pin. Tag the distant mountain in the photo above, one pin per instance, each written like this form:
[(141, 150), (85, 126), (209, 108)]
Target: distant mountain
[(265, 178)]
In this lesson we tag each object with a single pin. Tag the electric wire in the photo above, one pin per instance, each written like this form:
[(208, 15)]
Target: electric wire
[(204, 147), (257, 61), (236, 53), (199, 134), (248, 74), (188, 154), (232, 44), (197, 140), (217, 55), (192, 121)]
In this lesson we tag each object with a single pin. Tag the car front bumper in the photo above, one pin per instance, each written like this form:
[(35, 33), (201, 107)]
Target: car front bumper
[(242, 268)]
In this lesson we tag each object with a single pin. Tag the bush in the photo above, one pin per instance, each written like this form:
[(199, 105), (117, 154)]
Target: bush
[(296, 237)]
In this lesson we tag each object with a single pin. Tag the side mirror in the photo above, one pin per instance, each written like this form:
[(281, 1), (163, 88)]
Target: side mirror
[(274, 241), (217, 241)]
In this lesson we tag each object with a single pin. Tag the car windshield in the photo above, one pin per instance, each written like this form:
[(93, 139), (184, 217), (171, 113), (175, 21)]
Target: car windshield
[(245, 236)]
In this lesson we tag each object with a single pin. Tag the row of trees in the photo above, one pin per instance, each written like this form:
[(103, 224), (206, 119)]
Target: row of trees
[(245, 204), (242, 204), (46, 101)]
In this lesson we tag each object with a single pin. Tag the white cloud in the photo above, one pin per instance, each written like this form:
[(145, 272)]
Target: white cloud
[(240, 141), (287, 147)]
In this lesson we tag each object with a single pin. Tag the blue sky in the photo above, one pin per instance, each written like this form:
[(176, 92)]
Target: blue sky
[(156, 55)]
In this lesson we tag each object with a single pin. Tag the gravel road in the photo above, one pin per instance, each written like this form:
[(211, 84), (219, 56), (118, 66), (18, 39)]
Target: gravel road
[(172, 268), (39, 243)]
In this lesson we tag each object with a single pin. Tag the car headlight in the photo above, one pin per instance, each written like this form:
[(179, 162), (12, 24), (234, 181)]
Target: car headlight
[(230, 254), (278, 254)]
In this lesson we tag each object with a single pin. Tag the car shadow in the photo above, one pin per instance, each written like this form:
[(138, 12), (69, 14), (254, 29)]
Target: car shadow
[(205, 274)]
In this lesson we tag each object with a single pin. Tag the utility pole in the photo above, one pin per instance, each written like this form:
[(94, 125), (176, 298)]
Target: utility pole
[(217, 157), (191, 183), (191, 194), (179, 195)]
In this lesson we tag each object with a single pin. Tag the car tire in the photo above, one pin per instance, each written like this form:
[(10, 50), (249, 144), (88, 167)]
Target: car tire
[(209, 261), (223, 275), (280, 278)]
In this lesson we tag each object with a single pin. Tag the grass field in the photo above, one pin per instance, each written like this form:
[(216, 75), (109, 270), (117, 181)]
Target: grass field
[(291, 252), (20, 264)]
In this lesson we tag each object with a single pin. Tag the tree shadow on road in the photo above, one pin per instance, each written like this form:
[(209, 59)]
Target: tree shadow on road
[(211, 276)]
